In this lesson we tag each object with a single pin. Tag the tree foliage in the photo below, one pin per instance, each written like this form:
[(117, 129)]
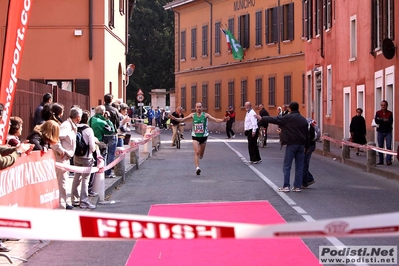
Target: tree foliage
[(151, 48)]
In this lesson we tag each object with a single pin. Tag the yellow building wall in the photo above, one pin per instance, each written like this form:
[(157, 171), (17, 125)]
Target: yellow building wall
[(278, 60)]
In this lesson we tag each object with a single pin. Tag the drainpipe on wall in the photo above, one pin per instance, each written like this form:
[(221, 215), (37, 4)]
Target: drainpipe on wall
[(90, 30), (178, 39), (210, 33), (126, 30), (278, 26), (322, 32)]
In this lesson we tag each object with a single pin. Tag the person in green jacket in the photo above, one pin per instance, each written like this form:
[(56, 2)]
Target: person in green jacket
[(100, 124), (199, 132)]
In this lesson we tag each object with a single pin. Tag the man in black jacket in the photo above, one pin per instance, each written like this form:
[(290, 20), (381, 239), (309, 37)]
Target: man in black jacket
[(294, 134), (263, 112), (111, 140)]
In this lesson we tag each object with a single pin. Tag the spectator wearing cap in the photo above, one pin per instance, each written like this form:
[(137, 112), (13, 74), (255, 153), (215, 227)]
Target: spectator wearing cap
[(294, 134), (229, 124), (37, 118)]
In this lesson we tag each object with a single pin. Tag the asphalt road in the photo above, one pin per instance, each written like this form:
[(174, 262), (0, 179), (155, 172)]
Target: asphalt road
[(169, 177)]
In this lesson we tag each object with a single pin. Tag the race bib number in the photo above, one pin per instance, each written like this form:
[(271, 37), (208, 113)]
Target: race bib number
[(199, 128)]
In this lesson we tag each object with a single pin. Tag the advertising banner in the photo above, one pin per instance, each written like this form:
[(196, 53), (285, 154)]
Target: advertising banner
[(17, 26), (30, 182)]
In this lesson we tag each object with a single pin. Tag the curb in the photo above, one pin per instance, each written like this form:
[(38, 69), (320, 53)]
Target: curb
[(373, 170)]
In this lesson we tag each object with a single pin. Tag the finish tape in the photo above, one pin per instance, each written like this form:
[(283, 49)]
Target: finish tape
[(355, 145), (33, 223)]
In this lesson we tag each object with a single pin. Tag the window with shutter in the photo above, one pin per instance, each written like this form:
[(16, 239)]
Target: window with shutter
[(274, 25), (205, 41), (230, 96), (258, 28), (194, 44), (272, 91), (290, 22), (183, 46), (193, 96), (258, 91), (183, 98), (204, 96), (304, 20), (111, 14), (244, 84), (327, 14), (217, 95), (287, 89), (217, 38), (382, 20), (243, 31), (287, 22), (231, 25), (310, 19), (246, 32), (267, 26), (82, 86), (317, 18), (122, 7)]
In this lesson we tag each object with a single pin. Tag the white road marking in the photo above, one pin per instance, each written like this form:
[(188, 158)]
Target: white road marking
[(333, 240)]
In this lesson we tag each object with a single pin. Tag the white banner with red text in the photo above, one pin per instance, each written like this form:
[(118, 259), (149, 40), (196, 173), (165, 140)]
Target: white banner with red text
[(30, 182), (30, 223)]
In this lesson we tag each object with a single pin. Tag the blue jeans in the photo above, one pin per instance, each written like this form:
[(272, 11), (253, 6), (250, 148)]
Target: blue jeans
[(388, 142), (293, 152), (111, 142), (307, 176), (119, 142)]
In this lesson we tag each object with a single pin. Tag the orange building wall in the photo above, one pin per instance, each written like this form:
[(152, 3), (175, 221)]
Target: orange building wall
[(52, 51)]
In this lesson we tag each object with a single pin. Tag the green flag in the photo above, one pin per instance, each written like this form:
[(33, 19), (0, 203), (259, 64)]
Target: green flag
[(234, 45)]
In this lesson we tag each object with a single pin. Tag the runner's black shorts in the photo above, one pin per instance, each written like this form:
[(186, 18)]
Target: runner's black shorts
[(201, 140)]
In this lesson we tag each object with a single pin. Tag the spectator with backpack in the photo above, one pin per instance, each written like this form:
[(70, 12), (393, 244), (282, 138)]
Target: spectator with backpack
[(294, 134), (314, 135), (85, 146)]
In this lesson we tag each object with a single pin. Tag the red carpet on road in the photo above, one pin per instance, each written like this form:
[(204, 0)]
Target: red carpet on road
[(290, 251)]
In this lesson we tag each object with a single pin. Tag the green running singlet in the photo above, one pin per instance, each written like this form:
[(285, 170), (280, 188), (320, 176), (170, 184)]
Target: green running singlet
[(200, 126)]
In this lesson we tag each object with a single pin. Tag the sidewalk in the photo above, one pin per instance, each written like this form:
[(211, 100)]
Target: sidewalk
[(388, 171), (24, 248)]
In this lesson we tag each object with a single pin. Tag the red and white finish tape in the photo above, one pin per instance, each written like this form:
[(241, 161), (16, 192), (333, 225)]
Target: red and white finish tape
[(355, 145), (31, 223)]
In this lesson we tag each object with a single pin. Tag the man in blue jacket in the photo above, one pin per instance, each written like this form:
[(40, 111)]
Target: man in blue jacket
[(150, 115)]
